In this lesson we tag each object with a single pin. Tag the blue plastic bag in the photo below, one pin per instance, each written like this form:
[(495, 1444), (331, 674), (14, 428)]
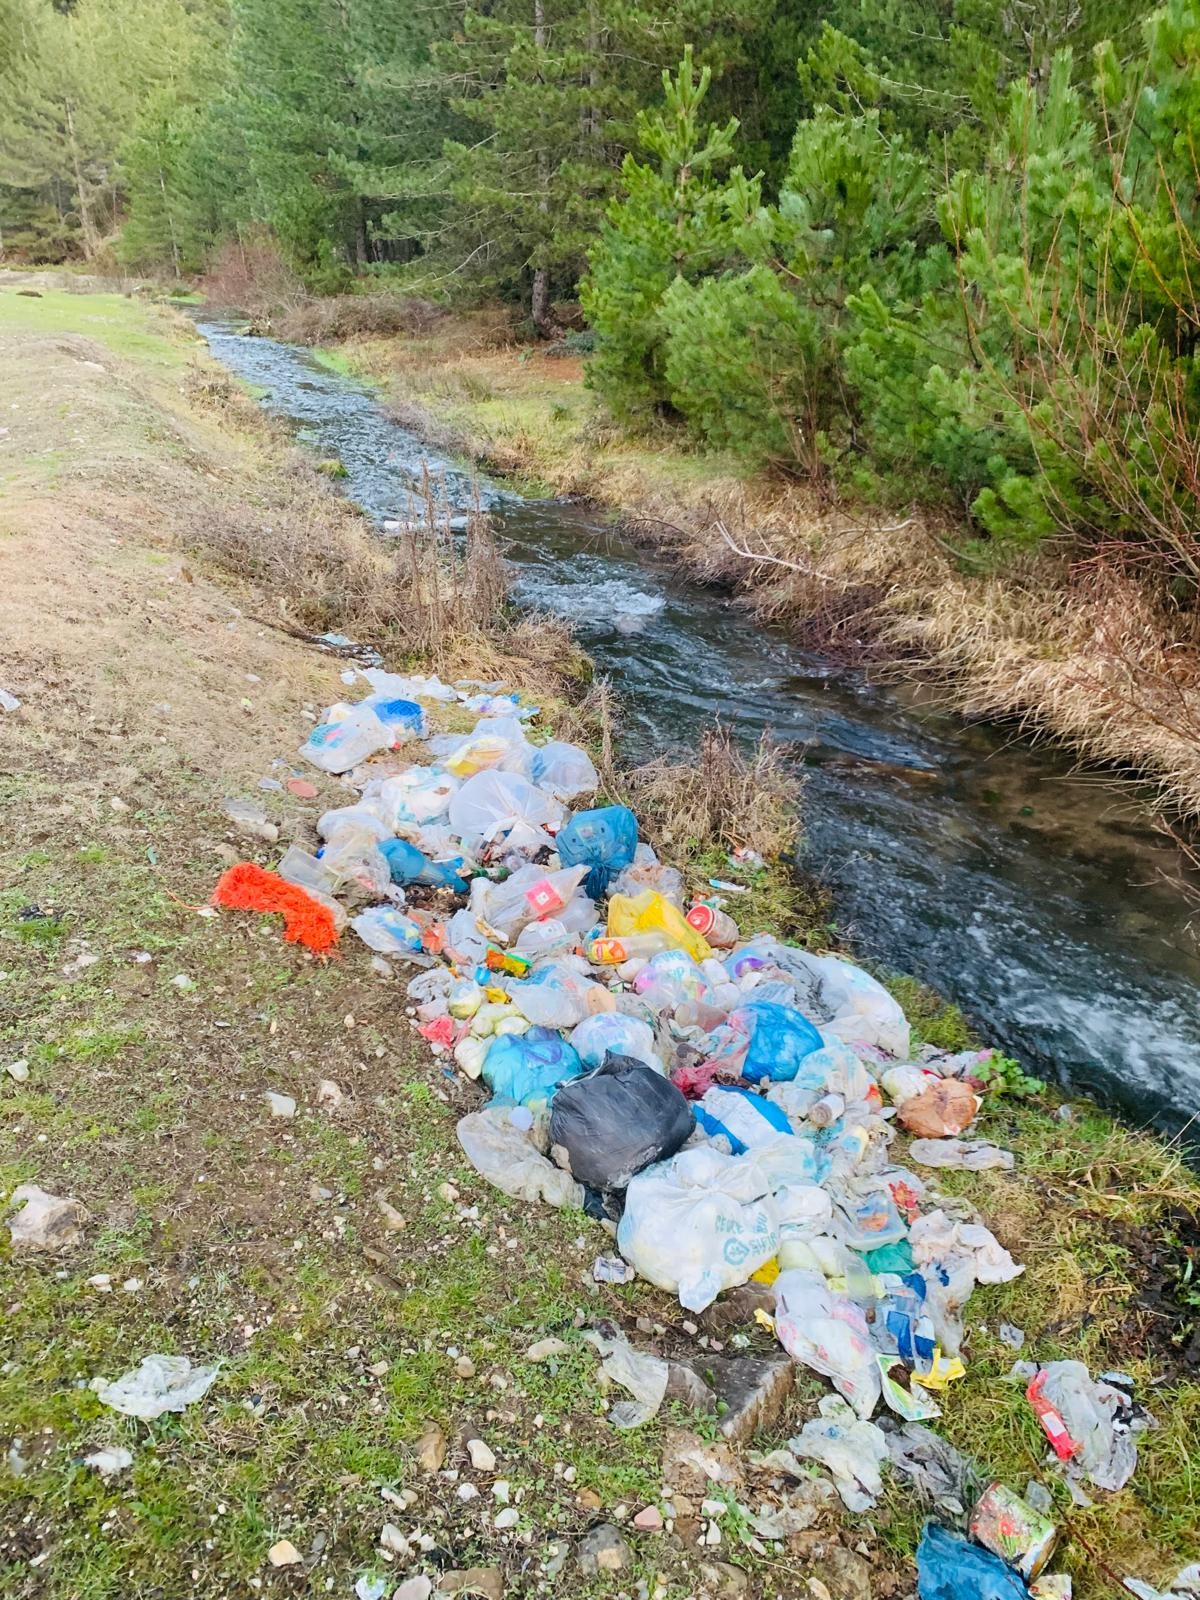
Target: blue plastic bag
[(950, 1567), (407, 864), (745, 1119), (780, 1038), (526, 1068), (402, 715), (603, 840)]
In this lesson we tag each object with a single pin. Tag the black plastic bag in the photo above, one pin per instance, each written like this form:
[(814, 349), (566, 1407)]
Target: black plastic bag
[(617, 1120)]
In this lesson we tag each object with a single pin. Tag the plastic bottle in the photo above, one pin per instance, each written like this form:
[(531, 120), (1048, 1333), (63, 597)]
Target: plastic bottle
[(608, 951), (826, 1111), (1051, 1420), (717, 926)]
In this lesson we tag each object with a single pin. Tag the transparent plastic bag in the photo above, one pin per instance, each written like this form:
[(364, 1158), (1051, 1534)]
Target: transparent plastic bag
[(531, 895), (564, 770), (742, 1119), (554, 995), (852, 1449), (651, 912), (500, 1144), (493, 805), (669, 978), (388, 930), (828, 1332), (611, 1031), (338, 746)]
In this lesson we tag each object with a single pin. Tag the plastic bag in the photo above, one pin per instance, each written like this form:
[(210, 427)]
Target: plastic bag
[(159, 1384), (935, 1238), (854, 1006), (741, 1118), (500, 1145), (421, 795), (950, 1567), (611, 1031), (338, 746), (495, 804), (564, 770), (529, 895), (865, 1214), (404, 719), (650, 912), (604, 841), (554, 996), (616, 1121), (828, 1332), (770, 1040), (648, 872), (697, 1224), (669, 978), (1097, 1417), (411, 687), (645, 1377), (946, 1107), (528, 1067), (389, 930), (852, 1449), (965, 1155)]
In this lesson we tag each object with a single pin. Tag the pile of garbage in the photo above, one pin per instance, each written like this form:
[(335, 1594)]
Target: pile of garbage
[(727, 1105)]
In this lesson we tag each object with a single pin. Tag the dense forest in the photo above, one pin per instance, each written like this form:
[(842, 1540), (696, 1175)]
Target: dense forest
[(935, 249)]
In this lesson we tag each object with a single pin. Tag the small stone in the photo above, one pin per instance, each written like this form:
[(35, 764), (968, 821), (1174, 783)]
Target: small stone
[(284, 1554), (431, 1450), (132, 1285), (45, 1221), (318, 1191), (182, 982), (393, 1221), (481, 1456), (648, 1520), (544, 1349), (282, 1105), (485, 1582), (846, 1575), (250, 821), (378, 1369), (18, 1071), (102, 1282), (588, 1499), (603, 1549), (501, 1490), (727, 1580), (508, 1518), (390, 1538), (467, 1491), (464, 1367), (329, 1095), (418, 1588), (448, 1192)]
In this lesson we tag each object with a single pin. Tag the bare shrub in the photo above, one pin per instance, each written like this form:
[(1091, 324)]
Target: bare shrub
[(253, 276), (721, 798), (346, 316)]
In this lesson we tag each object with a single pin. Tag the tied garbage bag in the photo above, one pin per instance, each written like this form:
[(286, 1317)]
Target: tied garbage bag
[(531, 894), (741, 1118), (828, 1332), (604, 841), (950, 1567), (772, 1041), (945, 1108), (407, 865), (501, 1144), (852, 1449), (564, 770), (404, 719), (336, 746), (698, 1224), (495, 804), (527, 1067), (607, 1031), (616, 1121), (650, 912)]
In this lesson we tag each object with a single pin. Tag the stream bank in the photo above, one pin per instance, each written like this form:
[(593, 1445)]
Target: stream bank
[(1038, 900)]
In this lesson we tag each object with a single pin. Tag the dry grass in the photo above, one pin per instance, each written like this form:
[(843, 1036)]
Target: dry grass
[(723, 798), (348, 316)]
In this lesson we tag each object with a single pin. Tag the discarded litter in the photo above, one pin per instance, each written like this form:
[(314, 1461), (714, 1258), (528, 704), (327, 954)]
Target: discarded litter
[(110, 1461), (159, 1384), (950, 1567), (306, 921), (1011, 1528), (616, 1121)]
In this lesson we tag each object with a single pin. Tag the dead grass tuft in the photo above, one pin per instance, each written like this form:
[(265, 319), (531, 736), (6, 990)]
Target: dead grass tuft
[(349, 316), (723, 798)]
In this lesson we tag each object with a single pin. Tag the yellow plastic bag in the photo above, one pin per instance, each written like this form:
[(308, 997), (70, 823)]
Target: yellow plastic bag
[(651, 912), (767, 1273)]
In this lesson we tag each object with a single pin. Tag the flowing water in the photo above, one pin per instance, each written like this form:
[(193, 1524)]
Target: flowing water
[(1037, 898)]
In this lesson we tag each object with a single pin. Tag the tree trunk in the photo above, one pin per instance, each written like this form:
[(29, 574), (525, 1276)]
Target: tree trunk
[(91, 238), (539, 297), (162, 184)]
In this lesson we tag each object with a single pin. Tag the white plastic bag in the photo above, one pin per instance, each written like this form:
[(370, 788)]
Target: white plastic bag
[(531, 894), (612, 1031), (859, 1009), (852, 1449), (420, 795), (828, 1332), (160, 1383), (495, 804), (396, 686), (564, 770), (554, 995), (698, 1224), (499, 1143), (935, 1238)]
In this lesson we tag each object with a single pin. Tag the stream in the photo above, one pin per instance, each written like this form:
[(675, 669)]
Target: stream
[(1036, 897)]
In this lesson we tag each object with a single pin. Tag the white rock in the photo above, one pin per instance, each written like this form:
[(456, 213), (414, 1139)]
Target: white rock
[(282, 1105), (284, 1554), (45, 1221), (481, 1456), (329, 1094), (508, 1518), (545, 1348), (467, 1491), (418, 1588), (18, 1070), (390, 1538)]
